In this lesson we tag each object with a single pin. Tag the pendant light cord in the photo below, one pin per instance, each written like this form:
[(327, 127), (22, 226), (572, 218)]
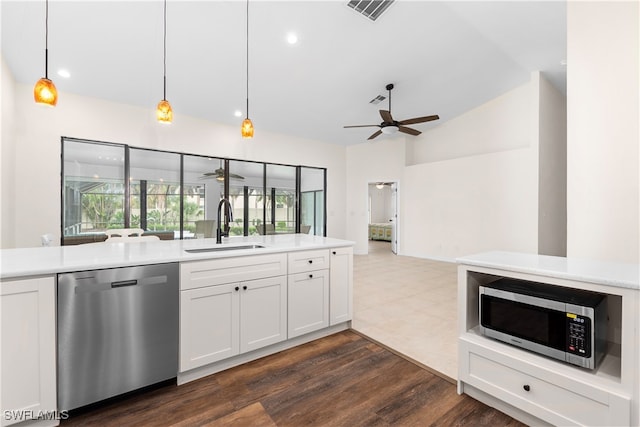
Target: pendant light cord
[(46, 40), (247, 58), (164, 56)]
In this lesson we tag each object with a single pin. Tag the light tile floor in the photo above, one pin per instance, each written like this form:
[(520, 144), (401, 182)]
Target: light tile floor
[(409, 305)]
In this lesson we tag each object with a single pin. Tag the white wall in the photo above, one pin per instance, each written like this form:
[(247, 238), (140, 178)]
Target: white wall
[(471, 204), (551, 116), (603, 194), (500, 124), (35, 179), (7, 154), (378, 161), (473, 182)]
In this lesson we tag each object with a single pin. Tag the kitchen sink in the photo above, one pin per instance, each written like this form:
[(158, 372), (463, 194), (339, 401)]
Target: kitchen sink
[(223, 248)]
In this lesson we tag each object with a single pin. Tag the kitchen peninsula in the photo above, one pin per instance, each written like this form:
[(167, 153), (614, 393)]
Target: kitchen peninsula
[(239, 301)]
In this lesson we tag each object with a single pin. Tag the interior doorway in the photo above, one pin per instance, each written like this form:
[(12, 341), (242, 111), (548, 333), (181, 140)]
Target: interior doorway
[(383, 214)]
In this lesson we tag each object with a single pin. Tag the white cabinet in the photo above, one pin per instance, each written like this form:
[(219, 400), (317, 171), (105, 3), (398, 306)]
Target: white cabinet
[(28, 367), (532, 387), (209, 325), (263, 313), (308, 292), (341, 285), (220, 320)]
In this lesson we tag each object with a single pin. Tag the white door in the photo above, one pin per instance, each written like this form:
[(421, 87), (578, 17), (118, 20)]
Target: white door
[(394, 217)]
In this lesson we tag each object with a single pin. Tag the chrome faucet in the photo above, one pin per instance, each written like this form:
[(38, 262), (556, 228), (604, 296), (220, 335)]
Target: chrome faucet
[(229, 215)]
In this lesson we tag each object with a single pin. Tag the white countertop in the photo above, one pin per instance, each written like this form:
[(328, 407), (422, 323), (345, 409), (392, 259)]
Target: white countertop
[(601, 272), (50, 260)]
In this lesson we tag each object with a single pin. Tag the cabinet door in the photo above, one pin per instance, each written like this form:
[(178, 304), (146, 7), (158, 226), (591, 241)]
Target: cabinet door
[(308, 302), (209, 325), (263, 312), (341, 285), (28, 368)]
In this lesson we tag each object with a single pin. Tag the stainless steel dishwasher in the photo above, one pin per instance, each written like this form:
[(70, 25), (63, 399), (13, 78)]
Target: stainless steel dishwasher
[(117, 331)]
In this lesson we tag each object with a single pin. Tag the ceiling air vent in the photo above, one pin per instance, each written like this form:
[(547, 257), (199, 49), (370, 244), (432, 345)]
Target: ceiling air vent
[(377, 100), (372, 9)]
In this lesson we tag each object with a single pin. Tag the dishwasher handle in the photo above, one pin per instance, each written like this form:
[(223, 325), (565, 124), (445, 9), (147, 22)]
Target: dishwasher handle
[(124, 283)]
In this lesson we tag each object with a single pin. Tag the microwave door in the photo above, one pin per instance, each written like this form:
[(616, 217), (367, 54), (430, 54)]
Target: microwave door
[(526, 324)]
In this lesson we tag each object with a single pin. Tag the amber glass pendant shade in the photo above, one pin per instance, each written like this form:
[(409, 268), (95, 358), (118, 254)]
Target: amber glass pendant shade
[(45, 92), (164, 113), (247, 128)]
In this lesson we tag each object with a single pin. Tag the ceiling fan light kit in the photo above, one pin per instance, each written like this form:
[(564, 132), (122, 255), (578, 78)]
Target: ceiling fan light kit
[(45, 92), (389, 126), (390, 130)]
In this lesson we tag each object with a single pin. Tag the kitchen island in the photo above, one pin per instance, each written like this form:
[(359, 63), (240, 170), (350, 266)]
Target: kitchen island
[(239, 301)]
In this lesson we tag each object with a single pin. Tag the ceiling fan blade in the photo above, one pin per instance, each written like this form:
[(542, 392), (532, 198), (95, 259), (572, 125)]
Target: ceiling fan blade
[(375, 134), (235, 176), (210, 174), (386, 116), (419, 120), (410, 131), (361, 126)]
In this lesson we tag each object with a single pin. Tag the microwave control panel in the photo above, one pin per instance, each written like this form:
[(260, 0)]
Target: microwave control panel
[(579, 335)]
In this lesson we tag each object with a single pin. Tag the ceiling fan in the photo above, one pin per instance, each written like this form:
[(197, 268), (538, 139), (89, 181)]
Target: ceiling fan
[(218, 174), (390, 126)]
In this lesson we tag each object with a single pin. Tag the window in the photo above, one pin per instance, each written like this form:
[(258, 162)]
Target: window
[(93, 190), (154, 185), (116, 186), (312, 201), (281, 195)]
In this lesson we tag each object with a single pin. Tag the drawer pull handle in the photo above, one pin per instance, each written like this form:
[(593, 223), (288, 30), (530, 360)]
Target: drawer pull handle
[(237, 288), (310, 261), (334, 252), (311, 276), (526, 387), (244, 287)]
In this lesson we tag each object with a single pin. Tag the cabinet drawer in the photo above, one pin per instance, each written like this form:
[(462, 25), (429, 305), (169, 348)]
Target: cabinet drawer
[(560, 406), (199, 274), (300, 262)]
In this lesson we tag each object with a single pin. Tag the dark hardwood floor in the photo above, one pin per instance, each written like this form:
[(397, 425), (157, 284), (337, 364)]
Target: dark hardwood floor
[(341, 380)]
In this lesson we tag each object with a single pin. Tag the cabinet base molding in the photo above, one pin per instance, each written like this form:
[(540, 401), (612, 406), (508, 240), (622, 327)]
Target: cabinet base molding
[(194, 374)]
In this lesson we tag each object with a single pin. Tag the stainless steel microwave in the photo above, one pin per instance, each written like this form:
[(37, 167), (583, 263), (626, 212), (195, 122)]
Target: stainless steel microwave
[(563, 323)]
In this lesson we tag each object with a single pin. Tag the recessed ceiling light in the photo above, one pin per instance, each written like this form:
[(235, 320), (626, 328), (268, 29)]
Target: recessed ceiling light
[(238, 113), (292, 38), (64, 73)]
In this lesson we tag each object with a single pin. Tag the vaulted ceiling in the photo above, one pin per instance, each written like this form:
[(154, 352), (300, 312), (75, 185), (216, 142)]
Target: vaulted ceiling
[(444, 57)]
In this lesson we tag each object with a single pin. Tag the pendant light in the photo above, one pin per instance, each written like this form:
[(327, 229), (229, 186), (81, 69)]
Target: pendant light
[(247, 126), (164, 113), (45, 91)]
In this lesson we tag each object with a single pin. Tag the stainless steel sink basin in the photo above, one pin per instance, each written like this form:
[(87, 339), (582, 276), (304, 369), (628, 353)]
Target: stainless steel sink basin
[(223, 248)]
